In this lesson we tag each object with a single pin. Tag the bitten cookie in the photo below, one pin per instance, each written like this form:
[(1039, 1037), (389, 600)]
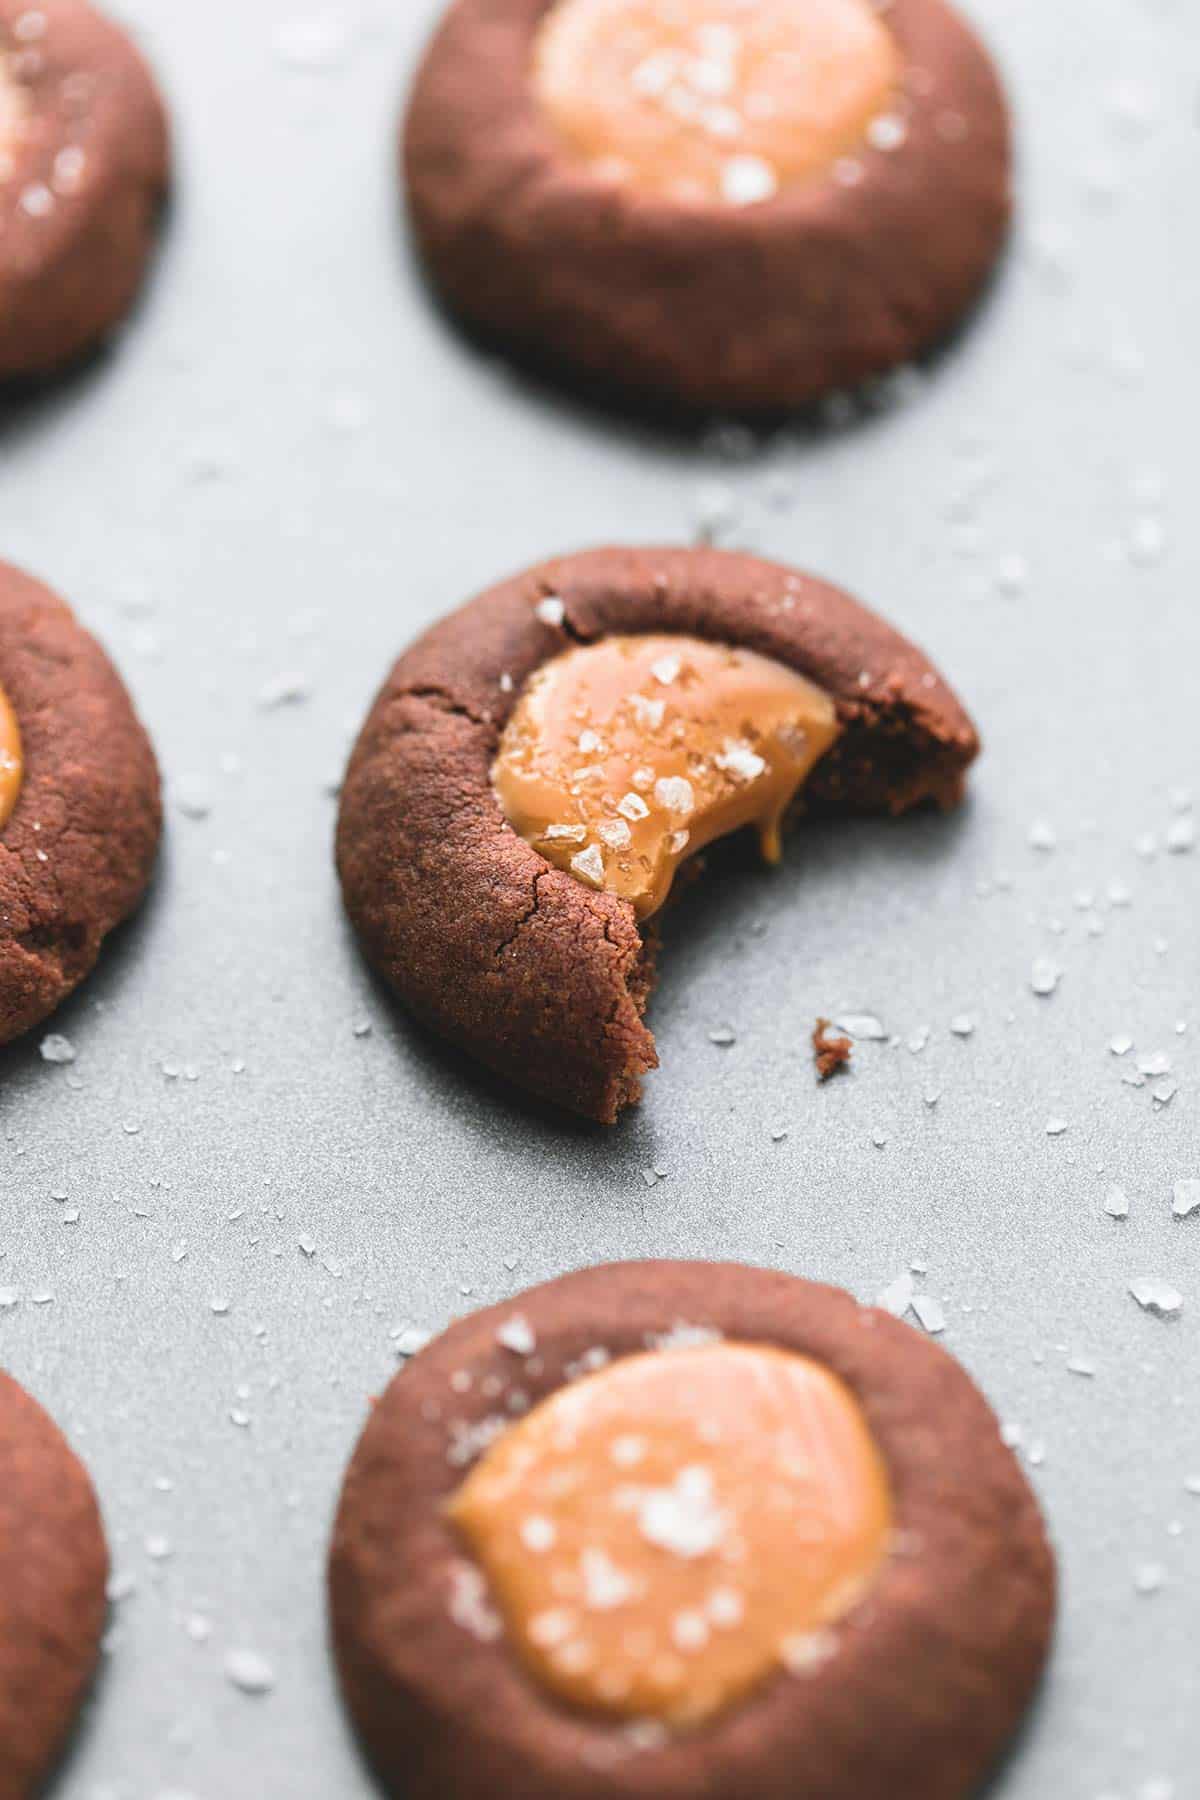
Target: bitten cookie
[(83, 172), (539, 764), (719, 205), (80, 815), (53, 1570), (659, 1530)]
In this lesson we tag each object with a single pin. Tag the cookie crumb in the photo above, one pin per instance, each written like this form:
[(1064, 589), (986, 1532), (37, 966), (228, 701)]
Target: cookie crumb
[(830, 1053)]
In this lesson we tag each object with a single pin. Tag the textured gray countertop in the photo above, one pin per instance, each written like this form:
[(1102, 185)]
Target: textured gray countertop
[(215, 1218)]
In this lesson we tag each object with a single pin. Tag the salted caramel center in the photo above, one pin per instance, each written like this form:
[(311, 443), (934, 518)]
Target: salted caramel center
[(662, 1536), (623, 757), (725, 100), (11, 766)]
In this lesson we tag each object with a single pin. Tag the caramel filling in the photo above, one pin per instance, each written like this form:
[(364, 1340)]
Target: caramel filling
[(662, 1536), (725, 100), (624, 757), (11, 767)]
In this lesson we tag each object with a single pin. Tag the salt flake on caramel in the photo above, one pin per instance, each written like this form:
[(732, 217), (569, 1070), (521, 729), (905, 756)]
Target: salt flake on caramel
[(662, 1536), (624, 756)]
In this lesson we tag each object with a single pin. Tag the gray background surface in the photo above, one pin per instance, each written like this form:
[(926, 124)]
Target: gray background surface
[(285, 469)]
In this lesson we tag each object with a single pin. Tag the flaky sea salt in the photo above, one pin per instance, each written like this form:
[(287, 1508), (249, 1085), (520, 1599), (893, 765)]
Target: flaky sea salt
[(55, 1048), (1156, 1296), (1185, 1198), (470, 1608), (683, 1518), (897, 1297), (550, 610), (517, 1334), (676, 794), (746, 180), (589, 864), (249, 1672), (930, 1313)]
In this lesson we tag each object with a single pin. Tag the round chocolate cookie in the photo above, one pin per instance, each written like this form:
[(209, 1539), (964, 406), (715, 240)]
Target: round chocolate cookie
[(517, 951), (83, 172), (80, 815), (714, 205), (53, 1570), (660, 1530)]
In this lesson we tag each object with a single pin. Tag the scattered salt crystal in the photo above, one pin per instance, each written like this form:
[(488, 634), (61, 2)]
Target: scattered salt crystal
[(1045, 976), (411, 1339), (1042, 835), (517, 1334), (633, 808), (37, 200), (740, 761), (1158, 1064), (807, 1652), (1121, 1045), (861, 1025), (724, 1035), (249, 1672), (1081, 1365), (930, 1313), (1116, 1203), (589, 864), (288, 689), (469, 1606), (538, 1534), (962, 1025), (714, 508), (1056, 1127), (1186, 1198), (897, 1297), (675, 793), (616, 834), (605, 1586), (649, 714), (683, 1518), (1157, 1297), (887, 132), (57, 1049), (550, 610), (666, 669), (1181, 835), (746, 180), (565, 834), (1149, 1578)]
